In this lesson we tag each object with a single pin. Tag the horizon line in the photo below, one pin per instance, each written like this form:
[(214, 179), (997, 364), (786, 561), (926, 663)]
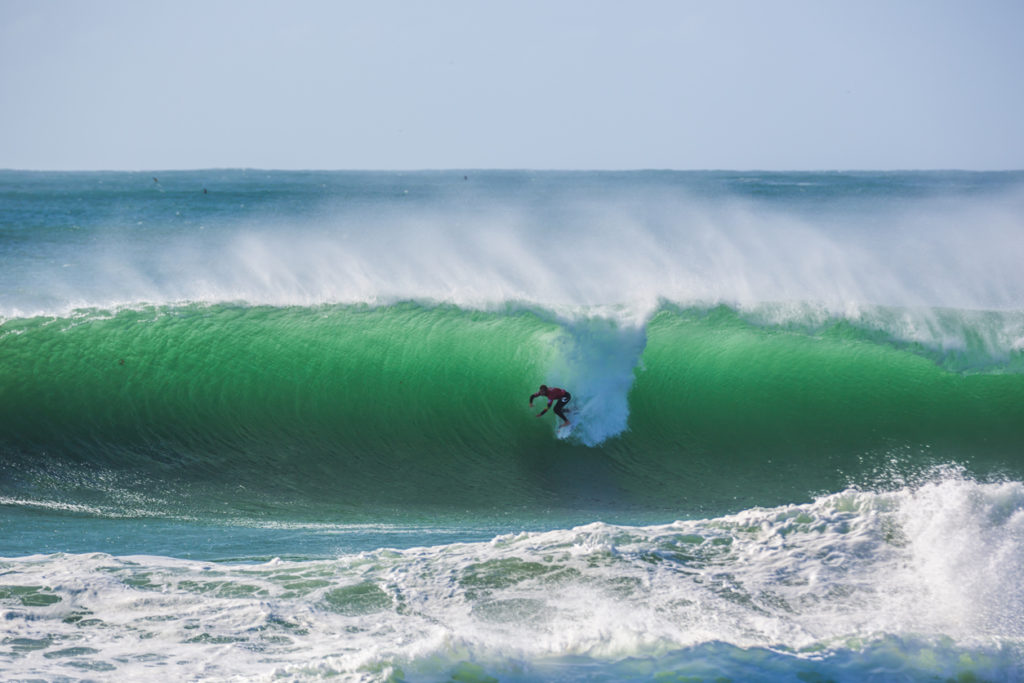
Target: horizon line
[(523, 169)]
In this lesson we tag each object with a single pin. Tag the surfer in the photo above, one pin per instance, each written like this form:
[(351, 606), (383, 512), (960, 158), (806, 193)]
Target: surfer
[(554, 395)]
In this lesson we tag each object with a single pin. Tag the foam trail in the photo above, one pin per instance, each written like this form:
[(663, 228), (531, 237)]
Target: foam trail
[(597, 358)]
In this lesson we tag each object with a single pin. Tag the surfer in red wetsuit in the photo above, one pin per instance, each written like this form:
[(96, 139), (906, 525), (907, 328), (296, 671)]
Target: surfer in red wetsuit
[(554, 395)]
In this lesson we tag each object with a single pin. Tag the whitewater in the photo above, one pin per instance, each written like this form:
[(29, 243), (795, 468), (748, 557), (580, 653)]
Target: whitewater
[(262, 425)]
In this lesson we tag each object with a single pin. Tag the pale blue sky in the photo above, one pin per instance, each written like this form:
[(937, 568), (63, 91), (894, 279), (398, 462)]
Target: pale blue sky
[(571, 85)]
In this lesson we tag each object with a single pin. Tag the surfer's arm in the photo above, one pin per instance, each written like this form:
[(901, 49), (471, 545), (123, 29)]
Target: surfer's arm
[(533, 397), (545, 409)]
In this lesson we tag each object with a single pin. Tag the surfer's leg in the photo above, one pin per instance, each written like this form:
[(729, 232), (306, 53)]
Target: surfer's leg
[(559, 404)]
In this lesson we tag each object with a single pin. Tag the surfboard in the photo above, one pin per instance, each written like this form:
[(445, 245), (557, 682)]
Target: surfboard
[(564, 430)]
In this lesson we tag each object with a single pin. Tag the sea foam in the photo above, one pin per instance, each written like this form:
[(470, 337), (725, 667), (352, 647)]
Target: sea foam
[(923, 578)]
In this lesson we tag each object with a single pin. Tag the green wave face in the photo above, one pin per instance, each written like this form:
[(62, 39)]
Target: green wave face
[(421, 406)]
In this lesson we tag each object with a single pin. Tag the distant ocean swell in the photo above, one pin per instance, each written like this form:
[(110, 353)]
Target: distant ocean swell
[(428, 403), (917, 583)]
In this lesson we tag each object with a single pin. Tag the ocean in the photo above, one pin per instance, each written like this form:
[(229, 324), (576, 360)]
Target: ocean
[(265, 425)]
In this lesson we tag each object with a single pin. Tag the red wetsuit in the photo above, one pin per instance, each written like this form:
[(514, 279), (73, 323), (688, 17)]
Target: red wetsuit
[(554, 395)]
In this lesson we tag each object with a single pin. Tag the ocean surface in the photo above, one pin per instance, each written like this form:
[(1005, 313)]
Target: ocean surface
[(261, 426)]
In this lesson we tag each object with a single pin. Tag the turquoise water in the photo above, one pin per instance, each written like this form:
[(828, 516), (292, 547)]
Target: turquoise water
[(262, 424)]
